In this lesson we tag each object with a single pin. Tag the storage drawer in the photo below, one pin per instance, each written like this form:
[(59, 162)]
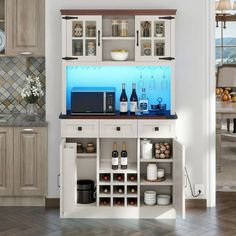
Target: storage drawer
[(79, 128), (118, 129), (156, 129)]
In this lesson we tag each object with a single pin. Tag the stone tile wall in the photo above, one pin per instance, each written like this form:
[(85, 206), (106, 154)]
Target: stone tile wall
[(13, 73)]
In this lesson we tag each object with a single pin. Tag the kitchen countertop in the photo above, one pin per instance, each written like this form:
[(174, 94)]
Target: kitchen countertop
[(22, 120)]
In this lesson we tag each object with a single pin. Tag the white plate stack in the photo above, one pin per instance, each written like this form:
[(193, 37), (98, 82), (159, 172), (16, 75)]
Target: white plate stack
[(150, 198)]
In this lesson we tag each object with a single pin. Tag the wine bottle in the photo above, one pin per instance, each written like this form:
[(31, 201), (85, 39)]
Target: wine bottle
[(132, 178), (115, 158), (119, 177), (105, 190), (133, 100), (120, 190), (124, 157), (105, 177), (123, 101)]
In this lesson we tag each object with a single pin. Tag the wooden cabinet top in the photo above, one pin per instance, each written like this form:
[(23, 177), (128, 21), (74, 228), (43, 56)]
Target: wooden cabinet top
[(115, 12)]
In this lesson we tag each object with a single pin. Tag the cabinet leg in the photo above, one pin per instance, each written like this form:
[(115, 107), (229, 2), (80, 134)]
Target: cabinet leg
[(234, 126), (218, 145), (228, 124)]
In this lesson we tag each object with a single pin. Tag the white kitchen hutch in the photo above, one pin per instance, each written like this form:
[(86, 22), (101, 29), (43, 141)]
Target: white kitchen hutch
[(104, 130)]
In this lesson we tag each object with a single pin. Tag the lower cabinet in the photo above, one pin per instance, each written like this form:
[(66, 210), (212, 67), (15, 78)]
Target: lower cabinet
[(30, 150), (121, 193), (6, 161), (23, 162)]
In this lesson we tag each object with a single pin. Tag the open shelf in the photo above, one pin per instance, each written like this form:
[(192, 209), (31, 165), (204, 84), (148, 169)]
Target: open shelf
[(105, 167), (94, 204), (143, 205), (156, 160), (168, 181), (118, 38), (86, 155)]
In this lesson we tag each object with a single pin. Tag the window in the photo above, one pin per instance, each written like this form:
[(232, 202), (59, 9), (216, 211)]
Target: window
[(226, 43)]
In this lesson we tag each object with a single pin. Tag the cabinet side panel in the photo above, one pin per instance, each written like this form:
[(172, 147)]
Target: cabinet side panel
[(3, 160), (178, 177)]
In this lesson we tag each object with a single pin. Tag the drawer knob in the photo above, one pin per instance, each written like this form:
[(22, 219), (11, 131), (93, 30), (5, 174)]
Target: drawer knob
[(79, 128), (156, 128), (117, 128)]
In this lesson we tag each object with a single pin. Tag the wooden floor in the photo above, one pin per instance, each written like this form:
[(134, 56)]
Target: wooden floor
[(33, 221)]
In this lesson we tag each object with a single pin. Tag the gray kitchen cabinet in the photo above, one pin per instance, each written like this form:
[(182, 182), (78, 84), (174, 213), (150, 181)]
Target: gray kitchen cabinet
[(30, 150), (6, 161), (23, 163), (25, 27)]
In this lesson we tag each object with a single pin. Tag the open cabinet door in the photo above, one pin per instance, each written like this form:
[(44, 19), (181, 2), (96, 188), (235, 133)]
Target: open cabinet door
[(68, 177), (178, 177)]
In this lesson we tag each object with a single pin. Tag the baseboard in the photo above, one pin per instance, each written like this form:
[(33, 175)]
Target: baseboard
[(52, 202), (22, 201), (196, 203)]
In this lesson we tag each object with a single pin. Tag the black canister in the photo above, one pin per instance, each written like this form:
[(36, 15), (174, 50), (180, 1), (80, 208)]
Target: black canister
[(85, 191)]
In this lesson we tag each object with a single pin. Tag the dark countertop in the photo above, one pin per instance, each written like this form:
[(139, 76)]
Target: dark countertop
[(23, 120), (150, 116)]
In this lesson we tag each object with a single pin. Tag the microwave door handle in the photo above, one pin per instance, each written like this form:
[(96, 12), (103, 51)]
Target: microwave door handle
[(104, 102)]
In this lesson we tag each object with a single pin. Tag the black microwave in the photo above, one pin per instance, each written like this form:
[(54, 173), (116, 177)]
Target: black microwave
[(93, 101)]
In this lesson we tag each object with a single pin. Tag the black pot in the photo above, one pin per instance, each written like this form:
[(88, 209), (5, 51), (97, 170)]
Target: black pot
[(85, 191)]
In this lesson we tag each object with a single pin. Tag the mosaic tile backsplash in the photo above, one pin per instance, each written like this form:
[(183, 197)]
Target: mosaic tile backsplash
[(13, 73)]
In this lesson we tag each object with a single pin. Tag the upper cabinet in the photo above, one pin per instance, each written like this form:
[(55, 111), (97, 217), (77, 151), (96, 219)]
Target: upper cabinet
[(96, 35), (153, 38), (25, 26), (83, 38)]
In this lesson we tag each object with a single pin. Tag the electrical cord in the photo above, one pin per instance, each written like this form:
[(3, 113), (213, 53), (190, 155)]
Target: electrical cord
[(191, 188)]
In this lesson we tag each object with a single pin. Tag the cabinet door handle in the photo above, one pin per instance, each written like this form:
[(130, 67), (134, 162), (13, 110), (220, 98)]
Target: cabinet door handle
[(28, 130), (58, 180), (117, 128), (69, 58), (156, 128), (137, 32), (25, 53), (99, 38), (80, 128)]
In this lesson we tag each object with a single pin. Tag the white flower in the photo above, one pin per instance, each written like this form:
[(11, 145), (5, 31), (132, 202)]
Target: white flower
[(32, 88)]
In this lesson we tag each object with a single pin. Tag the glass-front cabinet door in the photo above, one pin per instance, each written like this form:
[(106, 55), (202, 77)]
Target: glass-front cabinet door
[(153, 38), (83, 38)]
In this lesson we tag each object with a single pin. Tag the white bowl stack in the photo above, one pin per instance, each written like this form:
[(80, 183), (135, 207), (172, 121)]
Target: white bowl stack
[(150, 198), (163, 199)]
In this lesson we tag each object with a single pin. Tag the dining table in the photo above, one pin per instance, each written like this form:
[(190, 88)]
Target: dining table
[(224, 110)]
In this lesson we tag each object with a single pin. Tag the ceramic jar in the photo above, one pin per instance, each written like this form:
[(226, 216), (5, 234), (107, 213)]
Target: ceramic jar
[(160, 173), (91, 49), (146, 149), (151, 172)]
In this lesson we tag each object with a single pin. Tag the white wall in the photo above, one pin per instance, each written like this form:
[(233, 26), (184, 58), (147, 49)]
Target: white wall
[(190, 76)]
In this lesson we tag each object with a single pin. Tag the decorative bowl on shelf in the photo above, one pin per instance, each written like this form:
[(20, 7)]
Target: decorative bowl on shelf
[(119, 55)]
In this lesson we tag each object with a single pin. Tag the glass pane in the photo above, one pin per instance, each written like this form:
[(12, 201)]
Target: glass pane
[(146, 48), (146, 28), (230, 55), (90, 29), (218, 56), (77, 47), (159, 48), (77, 29), (159, 29), (90, 47)]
